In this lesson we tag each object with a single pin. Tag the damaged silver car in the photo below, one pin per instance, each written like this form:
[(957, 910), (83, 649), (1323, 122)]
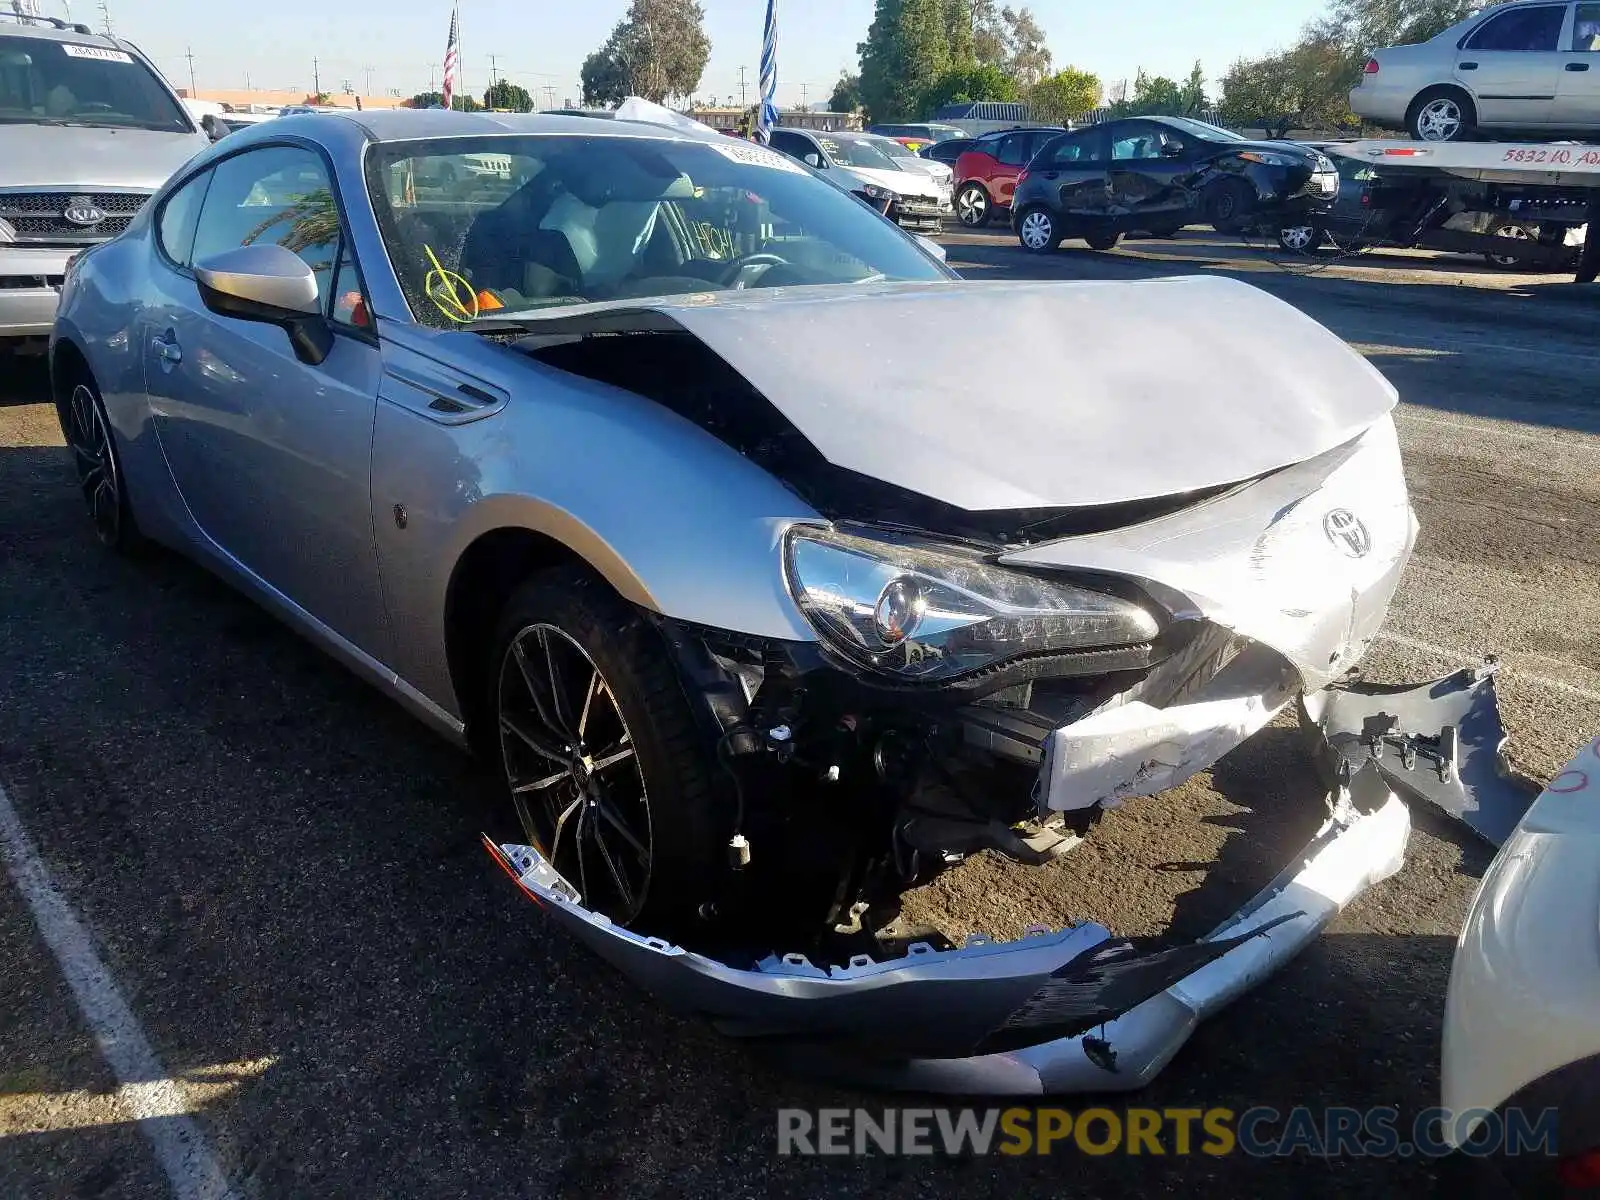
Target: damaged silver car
[(622, 466)]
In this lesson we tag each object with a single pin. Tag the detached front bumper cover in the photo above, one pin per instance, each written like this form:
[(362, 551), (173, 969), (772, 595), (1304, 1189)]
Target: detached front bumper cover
[(1076, 1009)]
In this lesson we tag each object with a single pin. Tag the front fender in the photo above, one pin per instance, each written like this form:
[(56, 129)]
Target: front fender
[(675, 520)]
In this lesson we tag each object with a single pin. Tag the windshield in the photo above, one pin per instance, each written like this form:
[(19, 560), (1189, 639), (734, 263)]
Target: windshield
[(886, 146), (498, 225), (45, 82), (1204, 129), (858, 152)]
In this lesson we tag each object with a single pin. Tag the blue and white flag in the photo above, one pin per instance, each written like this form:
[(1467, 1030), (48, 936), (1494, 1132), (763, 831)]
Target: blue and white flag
[(768, 117)]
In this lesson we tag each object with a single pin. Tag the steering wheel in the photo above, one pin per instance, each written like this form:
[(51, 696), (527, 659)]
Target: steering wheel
[(740, 274)]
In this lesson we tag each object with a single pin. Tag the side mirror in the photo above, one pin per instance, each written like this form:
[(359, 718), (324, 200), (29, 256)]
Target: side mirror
[(932, 247), (1171, 149), (216, 128), (814, 160), (269, 284)]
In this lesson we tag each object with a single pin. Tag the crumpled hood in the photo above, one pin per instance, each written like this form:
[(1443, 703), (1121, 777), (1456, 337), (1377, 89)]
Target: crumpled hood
[(906, 183), (57, 157), (1088, 393)]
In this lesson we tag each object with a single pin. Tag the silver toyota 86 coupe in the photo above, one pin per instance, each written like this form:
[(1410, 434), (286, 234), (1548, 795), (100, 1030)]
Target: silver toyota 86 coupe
[(638, 460)]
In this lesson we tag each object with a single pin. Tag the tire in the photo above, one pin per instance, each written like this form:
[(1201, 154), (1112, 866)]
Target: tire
[(97, 462), (1102, 241), (1227, 204), (1441, 114), (1300, 238), (974, 209), (650, 817), (1519, 231), (1037, 231)]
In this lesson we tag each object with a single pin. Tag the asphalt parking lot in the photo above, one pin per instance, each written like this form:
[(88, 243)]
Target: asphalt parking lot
[(281, 870)]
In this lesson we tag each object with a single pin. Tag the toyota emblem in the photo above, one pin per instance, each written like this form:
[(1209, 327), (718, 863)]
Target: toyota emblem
[(1348, 535), (82, 211)]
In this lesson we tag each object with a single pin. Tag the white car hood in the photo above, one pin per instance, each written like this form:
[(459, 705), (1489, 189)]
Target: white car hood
[(56, 157), (906, 183), (934, 170), (1096, 393)]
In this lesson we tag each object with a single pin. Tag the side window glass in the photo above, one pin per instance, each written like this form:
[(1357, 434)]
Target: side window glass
[(179, 215), (1586, 29), (1012, 151), (278, 195), (1136, 143), (1529, 29)]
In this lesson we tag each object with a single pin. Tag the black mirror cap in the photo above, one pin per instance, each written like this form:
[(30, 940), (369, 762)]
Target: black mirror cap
[(216, 128), (309, 333)]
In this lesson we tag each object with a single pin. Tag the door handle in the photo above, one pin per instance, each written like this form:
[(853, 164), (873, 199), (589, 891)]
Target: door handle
[(1052, 174), (1468, 67), (1577, 66), (167, 348)]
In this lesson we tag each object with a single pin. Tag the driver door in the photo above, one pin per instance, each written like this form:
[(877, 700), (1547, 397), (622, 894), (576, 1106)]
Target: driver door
[(1149, 171), (271, 454), (1511, 64)]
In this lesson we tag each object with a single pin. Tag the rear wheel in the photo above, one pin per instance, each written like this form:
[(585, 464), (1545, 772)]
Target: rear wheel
[(1441, 114), (1037, 231), (973, 208), (600, 752), (1103, 240), (99, 469)]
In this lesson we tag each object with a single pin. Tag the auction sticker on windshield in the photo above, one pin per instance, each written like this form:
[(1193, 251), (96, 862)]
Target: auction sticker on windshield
[(98, 53), (755, 156)]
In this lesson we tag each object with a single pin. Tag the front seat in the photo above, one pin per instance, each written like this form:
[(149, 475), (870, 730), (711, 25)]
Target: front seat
[(506, 250)]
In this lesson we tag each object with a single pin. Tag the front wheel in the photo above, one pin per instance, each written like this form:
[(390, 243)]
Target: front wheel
[(972, 206), (1037, 231), (1516, 231), (600, 752), (1228, 204)]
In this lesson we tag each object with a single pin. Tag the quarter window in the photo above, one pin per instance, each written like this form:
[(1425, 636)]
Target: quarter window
[(278, 195), (1586, 29), (1533, 29), (179, 215)]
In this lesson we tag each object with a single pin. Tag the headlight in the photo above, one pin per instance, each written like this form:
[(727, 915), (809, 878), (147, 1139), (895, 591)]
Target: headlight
[(1266, 159), (873, 192), (930, 613)]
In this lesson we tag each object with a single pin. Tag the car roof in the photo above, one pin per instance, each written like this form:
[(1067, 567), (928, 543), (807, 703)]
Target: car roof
[(404, 124), (56, 30)]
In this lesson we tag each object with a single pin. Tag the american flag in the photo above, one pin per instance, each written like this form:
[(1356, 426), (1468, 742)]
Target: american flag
[(452, 56)]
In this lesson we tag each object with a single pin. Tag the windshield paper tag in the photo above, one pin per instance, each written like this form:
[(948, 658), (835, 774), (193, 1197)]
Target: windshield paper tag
[(98, 53), (757, 156)]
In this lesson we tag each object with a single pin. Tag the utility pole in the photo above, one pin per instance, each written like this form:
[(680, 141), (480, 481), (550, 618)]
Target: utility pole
[(742, 103), (316, 79), (804, 106), (433, 79), (190, 56), (550, 94), (105, 18), (368, 72), (494, 67)]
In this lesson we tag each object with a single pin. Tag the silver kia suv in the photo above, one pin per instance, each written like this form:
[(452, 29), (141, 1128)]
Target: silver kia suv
[(88, 130)]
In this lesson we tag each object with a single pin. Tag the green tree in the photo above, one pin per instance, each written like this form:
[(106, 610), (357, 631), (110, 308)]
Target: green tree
[(505, 94), (426, 100), (846, 93), (1156, 95), (976, 81), (1303, 87), (903, 57), (988, 33), (465, 104), (1027, 57), (1066, 94), (1361, 26), (657, 51)]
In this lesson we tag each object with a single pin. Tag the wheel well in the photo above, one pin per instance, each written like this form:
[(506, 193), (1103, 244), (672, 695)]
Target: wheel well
[(68, 366), (481, 583), (1470, 108)]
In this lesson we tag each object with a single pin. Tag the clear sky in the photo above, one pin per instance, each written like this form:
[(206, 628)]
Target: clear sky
[(541, 43)]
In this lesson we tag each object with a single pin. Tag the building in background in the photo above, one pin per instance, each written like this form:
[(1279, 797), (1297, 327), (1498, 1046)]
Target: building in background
[(733, 118), (263, 100)]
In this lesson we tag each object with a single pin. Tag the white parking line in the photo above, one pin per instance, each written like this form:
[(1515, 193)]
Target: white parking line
[(145, 1092)]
